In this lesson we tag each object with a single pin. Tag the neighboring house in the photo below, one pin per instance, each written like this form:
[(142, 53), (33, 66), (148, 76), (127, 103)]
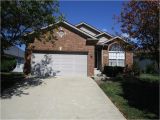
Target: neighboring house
[(78, 49), (19, 55)]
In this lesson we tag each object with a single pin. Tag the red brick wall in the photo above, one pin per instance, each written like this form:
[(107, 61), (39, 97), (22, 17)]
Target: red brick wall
[(105, 58), (129, 58), (70, 42)]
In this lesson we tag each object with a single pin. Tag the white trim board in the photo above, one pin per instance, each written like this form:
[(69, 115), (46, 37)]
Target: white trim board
[(103, 34)]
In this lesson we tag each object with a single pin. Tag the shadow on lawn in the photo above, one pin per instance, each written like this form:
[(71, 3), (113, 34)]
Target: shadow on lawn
[(142, 95), (17, 85)]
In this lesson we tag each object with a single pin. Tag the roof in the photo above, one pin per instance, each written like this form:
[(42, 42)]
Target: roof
[(90, 37), (70, 25), (93, 28), (15, 51), (104, 33), (110, 40)]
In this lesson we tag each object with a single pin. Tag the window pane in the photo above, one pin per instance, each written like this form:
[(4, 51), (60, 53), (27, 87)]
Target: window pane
[(112, 55), (112, 62), (120, 62), (120, 55), (115, 47)]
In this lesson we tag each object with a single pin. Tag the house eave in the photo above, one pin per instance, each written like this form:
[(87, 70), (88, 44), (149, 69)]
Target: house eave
[(103, 33), (106, 42), (66, 23)]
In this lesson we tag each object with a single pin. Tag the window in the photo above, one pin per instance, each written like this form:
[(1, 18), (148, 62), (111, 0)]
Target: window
[(116, 55), (112, 62), (61, 33), (115, 47)]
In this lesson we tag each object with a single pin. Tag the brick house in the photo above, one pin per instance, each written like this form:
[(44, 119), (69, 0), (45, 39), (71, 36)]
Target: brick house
[(78, 49)]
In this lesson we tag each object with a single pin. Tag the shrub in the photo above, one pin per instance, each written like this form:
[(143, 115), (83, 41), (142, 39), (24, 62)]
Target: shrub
[(136, 69), (8, 63), (151, 69), (112, 71)]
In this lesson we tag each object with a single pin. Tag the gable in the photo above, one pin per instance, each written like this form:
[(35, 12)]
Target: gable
[(112, 40), (75, 30), (69, 41), (88, 29), (115, 40), (102, 39), (68, 26)]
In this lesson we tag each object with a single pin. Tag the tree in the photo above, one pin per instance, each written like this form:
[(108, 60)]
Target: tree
[(21, 17), (140, 20)]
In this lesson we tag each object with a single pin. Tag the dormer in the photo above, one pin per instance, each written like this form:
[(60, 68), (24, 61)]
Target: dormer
[(88, 28)]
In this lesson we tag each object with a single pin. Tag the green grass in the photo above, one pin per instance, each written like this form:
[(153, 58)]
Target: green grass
[(136, 99), (150, 77)]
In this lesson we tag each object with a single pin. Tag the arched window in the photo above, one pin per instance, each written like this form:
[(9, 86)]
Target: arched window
[(115, 47), (116, 55)]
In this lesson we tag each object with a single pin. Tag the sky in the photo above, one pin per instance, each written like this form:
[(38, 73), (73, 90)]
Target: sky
[(96, 13)]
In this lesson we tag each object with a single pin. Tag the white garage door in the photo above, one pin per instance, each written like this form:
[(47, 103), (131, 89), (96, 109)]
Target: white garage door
[(59, 64)]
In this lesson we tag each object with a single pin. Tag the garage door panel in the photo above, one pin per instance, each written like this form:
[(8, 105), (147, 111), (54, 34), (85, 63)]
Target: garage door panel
[(62, 64)]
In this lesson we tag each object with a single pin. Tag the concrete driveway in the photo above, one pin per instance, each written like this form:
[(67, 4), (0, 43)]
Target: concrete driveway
[(61, 98)]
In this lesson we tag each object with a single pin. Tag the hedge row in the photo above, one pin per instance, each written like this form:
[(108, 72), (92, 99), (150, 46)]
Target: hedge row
[(8, 63), (112, 71)]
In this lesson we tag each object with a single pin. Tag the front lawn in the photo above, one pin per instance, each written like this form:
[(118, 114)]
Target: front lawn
[(150, 77), (136, 97)]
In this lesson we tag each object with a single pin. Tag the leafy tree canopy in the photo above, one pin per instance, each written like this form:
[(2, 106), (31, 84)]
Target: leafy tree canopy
[(140, 20), (21, 17)]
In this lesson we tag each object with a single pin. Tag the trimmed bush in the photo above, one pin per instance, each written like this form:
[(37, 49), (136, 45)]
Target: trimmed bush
[(112, 71), (8, 63), (136, 69), (151, 69)]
